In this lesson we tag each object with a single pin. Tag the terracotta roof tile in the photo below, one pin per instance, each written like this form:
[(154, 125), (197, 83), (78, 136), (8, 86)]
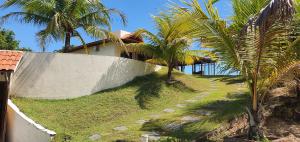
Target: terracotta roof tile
[(9, 60)]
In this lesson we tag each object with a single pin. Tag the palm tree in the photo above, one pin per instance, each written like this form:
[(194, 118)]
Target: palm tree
[(62, 19), (260, 40), (169, 46)]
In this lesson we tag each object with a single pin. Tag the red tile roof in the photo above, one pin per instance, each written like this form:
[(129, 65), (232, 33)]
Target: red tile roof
[(9, 60)]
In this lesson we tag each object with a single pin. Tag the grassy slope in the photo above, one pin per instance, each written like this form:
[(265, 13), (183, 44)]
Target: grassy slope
[(77, 119)]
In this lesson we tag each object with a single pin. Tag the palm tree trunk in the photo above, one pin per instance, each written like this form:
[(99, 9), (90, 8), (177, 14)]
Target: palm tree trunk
[(170, 69), (67, 42), (298, 87), (254, 133), (254, 96)]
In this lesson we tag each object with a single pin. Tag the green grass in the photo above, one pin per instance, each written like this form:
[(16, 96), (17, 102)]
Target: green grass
[(77, 119)]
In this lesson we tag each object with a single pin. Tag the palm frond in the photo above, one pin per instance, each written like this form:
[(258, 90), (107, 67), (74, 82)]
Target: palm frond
[(59, 17), (281, 10), (77, 34), (149, 36), (24, 17), (9, 3), (277, 75)]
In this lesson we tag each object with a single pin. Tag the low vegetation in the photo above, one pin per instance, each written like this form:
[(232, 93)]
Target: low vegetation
[(255, 43), (144, 98)]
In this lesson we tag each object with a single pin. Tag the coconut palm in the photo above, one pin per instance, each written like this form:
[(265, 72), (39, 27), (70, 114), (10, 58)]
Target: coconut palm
[(62, 19), (169, 46), (260, 40)]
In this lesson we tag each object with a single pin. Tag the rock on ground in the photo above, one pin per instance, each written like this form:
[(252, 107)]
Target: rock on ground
[(169, 110), (95, 137), (121, 128), (174, 126), (203, 112), (190, 101), (151, 136), (180, 105), (190, 119), (141, 121)]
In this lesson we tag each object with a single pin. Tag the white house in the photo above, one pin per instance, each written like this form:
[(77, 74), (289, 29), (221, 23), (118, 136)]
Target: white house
[(107, 48)]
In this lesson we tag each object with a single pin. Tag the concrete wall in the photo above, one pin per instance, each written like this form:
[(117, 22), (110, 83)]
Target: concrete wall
[(62, 76), (23, 129)]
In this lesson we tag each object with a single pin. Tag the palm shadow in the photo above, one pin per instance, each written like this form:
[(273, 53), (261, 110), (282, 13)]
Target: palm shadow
[(164, 128), (231, 79), (221, 110), (228, 79), (150, 87)]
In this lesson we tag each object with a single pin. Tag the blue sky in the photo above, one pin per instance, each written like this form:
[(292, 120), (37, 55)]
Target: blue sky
[(138, 13)]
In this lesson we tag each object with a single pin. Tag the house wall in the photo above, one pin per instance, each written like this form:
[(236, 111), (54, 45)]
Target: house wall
[(23, 129), (107, 49), (63, 76)]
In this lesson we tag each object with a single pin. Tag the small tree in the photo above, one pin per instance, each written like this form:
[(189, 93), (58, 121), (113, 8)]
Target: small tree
[(256, 43), (8, 41), (169, 46)]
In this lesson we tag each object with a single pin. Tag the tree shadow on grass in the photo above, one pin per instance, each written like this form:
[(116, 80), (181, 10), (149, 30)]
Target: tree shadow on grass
[(221, 111), (175, 128), (231, 79), (228, 79), (149, 87)]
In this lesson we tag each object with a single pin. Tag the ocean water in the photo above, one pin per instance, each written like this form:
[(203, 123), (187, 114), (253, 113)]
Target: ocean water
[(218, 71)]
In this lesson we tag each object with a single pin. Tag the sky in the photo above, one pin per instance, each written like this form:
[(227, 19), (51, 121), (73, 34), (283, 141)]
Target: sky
[(138, 13)]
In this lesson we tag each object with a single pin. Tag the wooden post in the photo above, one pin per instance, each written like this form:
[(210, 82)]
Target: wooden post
[(4, 90), (214, 69), (182, 68), (208, 68), (193, 69), (202, 68)]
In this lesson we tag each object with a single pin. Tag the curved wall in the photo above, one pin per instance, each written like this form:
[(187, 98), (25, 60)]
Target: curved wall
[(23, 129), (64, 76)]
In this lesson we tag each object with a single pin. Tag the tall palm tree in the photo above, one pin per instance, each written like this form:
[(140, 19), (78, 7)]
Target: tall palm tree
[(62, 19), (260, 40), (169, 46)]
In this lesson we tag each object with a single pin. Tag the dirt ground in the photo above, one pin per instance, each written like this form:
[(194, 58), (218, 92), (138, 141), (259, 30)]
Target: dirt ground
[(280, 121)]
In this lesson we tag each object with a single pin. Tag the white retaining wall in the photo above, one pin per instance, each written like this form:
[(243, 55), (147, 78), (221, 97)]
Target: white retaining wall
[(23, 129), (63, 76)]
